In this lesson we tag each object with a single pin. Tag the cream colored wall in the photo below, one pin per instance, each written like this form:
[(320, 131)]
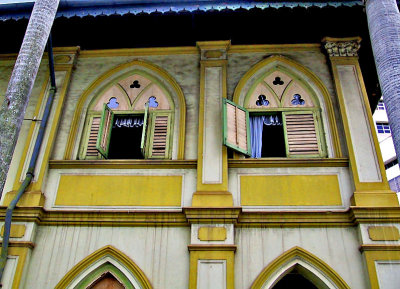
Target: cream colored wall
[(337, 247), (160, 252)]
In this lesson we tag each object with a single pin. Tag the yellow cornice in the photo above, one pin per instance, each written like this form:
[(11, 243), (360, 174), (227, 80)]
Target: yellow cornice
[(139, 51), (295, 219), (123, 164), (212, 248), (271, 48), (377, 214), (374, 247), (286, 162), (216, 215), (20, 244), (213, 45)]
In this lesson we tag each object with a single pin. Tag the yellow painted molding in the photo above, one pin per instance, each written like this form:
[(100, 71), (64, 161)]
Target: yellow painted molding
[(373, 253), (20, 244), (198, 252), (212, 199), (377, 198), (16, 231), (375, 214), (212, 215), (295, 219), (287, 162), (298, 253), (213, 54), (344, 39), (139, 51), (23, 254), (28, 199), (383, 233), (101, 80), (123, 164), (314, 78), (107, 251), (212, 248), (213, 45), (274, 48), (212, 233)]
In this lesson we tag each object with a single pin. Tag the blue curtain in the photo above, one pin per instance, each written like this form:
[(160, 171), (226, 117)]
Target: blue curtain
[(256, 130)]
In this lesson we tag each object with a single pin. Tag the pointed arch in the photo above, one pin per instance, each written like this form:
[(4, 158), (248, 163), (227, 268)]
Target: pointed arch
[(315, 82), (297, 256), (159, 72), (99, 259)]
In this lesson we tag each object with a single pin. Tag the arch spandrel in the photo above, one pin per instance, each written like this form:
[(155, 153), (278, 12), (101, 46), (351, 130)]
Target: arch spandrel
[(134, 85), (160, 98), (296, 96), (113, 92), (278, 81), (310, 266), (106, 259)]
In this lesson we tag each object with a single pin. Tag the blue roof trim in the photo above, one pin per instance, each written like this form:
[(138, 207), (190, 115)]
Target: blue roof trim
[(81, 8)]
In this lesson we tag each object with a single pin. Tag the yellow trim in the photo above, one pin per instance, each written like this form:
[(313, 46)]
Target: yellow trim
[(224, 185), (22, 253), (123, 164), (213, 45), (99, 254), (139, 51), (101, 79), (212, 252), (383, 233), (119, 190), (315, 79), (273, 48), (297, 252), (381, 253), (287, 162), (16, 231), (29, 137), (212, 233), (361, 196), (28, 199)]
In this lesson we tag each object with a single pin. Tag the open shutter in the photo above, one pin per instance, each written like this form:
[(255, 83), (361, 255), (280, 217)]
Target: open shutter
[(236, 127), (144, 129), (159, 140), (106, 123), (301, 134), (91, 150)]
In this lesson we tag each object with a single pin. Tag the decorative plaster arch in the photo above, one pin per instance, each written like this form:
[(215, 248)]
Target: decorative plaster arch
[(161, 73), (98, 258), (279, 60), (299, 257)]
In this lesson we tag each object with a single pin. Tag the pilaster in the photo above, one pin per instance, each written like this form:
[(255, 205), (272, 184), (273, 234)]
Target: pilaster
[(366, 164)]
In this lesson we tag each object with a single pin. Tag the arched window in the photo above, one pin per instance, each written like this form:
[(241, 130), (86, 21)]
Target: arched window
[(276, 113), (131, 118)]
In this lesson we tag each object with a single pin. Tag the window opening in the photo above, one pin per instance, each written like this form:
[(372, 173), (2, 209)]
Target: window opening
[(126, 135), (294, 280), (383, 128), (267, 136)]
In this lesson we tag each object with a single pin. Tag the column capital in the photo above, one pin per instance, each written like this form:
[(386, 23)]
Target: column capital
[(342, 47), (214, 50)]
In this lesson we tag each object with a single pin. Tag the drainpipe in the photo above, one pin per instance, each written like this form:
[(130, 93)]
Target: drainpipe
[(32, 163)]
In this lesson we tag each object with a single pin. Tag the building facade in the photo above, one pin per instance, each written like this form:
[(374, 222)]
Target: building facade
[(214, 166)]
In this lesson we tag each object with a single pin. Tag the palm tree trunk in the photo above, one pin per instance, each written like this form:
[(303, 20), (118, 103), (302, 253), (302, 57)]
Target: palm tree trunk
[(22, 79), (384, 29)]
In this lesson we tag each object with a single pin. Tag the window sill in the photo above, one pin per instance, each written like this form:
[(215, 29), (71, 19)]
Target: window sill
[(123, 164), (288, 162)]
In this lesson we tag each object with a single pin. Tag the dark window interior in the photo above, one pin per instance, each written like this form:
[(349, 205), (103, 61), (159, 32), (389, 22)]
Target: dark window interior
[(294, 280), (273, 140), (125, 142)]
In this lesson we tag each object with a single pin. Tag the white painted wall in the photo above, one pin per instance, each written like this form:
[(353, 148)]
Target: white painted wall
[(161, 253), (337, 247)]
